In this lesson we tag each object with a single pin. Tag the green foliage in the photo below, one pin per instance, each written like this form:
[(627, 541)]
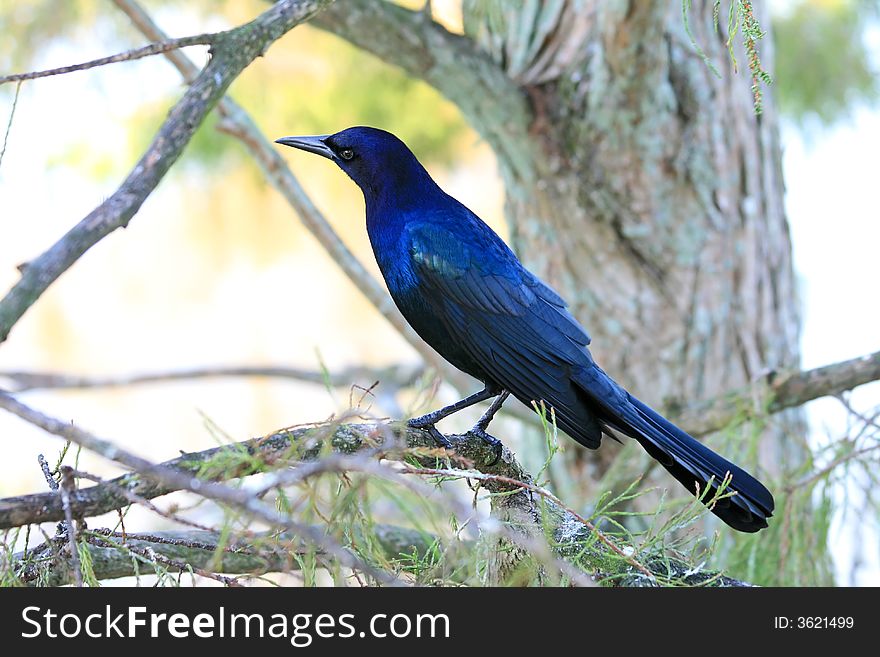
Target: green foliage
[(743, 17), (34, 25), (823, 63), (740, 21), (362, 90), (86, 567)]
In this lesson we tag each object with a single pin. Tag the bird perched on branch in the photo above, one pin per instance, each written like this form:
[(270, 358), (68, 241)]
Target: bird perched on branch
[(469, 297)]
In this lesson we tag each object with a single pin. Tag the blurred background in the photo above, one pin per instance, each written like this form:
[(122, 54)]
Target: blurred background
[(216, 268)]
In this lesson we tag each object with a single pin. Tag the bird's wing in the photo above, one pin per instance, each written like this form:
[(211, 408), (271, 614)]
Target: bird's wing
[(516, 327), (486, 276)]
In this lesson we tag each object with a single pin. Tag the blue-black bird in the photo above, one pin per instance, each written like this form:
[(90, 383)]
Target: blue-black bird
[(469, 297)]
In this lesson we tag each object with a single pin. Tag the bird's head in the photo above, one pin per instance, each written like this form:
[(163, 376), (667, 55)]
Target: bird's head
[(380, 163)]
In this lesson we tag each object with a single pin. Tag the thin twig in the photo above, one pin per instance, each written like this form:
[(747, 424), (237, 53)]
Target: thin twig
[(399, 376), (543, 492), (866, 420), (127, 56), (150, 555), (9, 123), (68, 485), (812, 478), (44, 466), (137, 499)]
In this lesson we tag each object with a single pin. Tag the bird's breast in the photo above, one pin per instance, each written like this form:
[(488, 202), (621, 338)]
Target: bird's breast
[(427, 318)]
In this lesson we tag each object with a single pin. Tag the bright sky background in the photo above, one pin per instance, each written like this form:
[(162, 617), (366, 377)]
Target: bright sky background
[(145, 299), (832, 185)]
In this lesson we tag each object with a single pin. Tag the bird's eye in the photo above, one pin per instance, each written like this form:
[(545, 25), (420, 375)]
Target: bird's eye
[(346, 153)]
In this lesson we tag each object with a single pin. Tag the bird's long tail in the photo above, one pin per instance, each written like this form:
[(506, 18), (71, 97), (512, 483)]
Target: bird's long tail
[(686, 459), (694, 464)]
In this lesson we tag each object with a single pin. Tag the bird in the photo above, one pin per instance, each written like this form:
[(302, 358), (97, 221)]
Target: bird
[(468, 296)]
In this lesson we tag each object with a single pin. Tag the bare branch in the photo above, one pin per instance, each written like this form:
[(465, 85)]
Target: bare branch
[(127, 56), (67, 487), (180, 475), (232, 53), (95, 500), (523, 520), (181, 479), (196, 549), (236, 122), (150, 555), (9, 122), (147, 504), (399, 376), (151, 31), (782, 391)]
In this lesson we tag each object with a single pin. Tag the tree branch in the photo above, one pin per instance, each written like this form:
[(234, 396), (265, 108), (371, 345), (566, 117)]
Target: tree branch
[(127, 56), (232, 53), (9, 121), (574, 537), (398, 376), (236, 122), (115, 556), (171, 479), (107, 496), (780, 391)]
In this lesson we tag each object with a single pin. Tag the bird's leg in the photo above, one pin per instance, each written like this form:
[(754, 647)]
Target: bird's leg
[(483, 424), (428, 420), (435, 416)]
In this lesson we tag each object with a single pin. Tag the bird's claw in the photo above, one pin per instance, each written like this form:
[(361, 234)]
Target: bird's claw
[(425, 424), (439, 438), (492, 442)]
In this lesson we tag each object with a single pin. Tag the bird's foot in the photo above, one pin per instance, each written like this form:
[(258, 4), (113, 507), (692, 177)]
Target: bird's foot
[(425, 424), (496, 445)]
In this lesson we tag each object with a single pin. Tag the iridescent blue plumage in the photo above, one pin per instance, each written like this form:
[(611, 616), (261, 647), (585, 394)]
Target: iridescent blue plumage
[(469, 297)]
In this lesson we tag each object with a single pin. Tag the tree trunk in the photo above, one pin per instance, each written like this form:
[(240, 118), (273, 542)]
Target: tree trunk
[(648, 191), (654, 200)]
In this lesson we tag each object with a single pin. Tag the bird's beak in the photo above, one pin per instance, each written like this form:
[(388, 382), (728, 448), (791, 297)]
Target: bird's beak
[(314, 145)]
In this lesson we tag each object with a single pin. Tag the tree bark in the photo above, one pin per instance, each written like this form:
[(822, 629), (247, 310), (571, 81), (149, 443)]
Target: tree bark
[(654, 201), (647, 190)]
